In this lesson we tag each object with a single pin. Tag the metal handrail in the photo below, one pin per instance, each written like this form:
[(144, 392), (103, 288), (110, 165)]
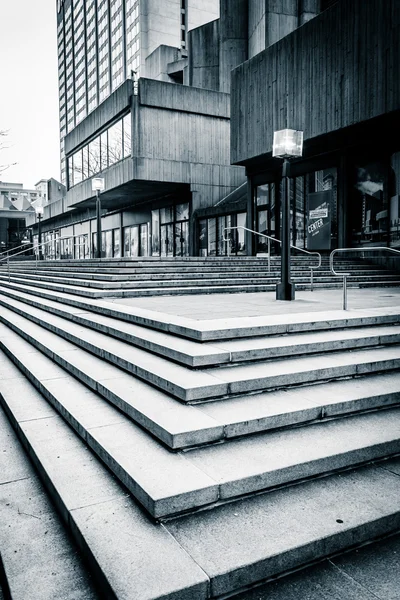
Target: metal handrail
[(346, 275), (270, 238), (35, 247), (16, 248)]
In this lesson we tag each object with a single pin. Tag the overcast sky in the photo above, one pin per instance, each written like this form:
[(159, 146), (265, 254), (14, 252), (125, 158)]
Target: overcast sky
[(28, 90)]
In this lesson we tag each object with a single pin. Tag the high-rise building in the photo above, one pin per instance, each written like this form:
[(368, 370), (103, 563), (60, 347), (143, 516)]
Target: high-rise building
[(101, 43)]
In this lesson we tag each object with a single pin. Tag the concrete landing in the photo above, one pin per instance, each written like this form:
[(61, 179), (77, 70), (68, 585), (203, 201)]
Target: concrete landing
[(224, 306)]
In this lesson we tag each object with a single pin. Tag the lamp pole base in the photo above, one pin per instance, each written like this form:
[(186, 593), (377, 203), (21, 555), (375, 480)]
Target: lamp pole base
[(285, 291)]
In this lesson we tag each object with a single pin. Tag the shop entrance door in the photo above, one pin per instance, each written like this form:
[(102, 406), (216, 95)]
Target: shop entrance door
[(182, 239), (167, 240)]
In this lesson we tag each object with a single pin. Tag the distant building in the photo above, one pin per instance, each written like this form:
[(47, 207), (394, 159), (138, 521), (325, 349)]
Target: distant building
[(15, 208)]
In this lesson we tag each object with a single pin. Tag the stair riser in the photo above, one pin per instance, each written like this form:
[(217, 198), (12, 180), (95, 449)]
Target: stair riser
[(201, 393), (200, 283), (227, 490), (303, 555), (157, 508), (282, 381), (327, 411), (213, 335), (315, 468), (235, 357)]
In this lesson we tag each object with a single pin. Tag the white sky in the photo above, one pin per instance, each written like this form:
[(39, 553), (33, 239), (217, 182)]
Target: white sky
[(29, 90)]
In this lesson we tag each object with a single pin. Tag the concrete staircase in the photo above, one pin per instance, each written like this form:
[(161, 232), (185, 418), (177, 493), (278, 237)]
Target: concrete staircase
[(191, 459), (154, 276)]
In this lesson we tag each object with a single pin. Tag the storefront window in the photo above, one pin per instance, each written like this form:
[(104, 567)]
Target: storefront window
[(321, 209), (166, 215), (265, 214), (203, 237), (212, 237), (117, 244), (182, 239), (155, 233), (143, 240), (182, 212), (369, 207), (241, 237), (134, 241), (394, 194)]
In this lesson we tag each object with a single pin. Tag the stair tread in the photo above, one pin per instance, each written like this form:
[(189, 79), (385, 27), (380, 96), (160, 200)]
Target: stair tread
[(227, 328), (177, 482), (171, 485), (265, 460), (182, 382), (238, 544), (27, 514), (102, 512), (192, 353), (183, 350), (179, 425)]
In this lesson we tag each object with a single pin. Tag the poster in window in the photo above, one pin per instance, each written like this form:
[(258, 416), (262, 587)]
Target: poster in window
[(319, 220)]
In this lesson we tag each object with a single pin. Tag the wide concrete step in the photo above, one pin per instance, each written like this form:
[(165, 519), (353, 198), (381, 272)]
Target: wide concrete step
[(37, 554), (214, 329), (178, 425), (164, 281), (179, 272), (188, 352), (177, 482), (165, 290), (261, 537), (130, 556), (218, 551), (183, 383)]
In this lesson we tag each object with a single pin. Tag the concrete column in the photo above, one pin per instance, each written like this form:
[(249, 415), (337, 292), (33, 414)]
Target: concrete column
[(233, 39), (308, 9), (282, 18)]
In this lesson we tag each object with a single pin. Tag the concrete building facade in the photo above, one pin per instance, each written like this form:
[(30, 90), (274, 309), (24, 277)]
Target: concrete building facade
[(101, 43), (249, 67)]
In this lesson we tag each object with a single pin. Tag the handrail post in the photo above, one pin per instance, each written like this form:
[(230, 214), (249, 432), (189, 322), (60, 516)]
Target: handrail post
[(312, 278), (344, 292), (269, 255), (8, 265)]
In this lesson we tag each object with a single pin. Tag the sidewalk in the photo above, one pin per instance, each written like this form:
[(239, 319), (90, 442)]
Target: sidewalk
[(228, 306)]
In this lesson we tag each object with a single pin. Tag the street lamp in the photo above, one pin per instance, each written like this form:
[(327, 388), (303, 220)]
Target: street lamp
[(39, 213), (98, 186), (288, 143)]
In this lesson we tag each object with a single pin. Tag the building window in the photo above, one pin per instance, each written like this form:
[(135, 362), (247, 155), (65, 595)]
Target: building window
[(108, 148), (170, 231), (215, 240)]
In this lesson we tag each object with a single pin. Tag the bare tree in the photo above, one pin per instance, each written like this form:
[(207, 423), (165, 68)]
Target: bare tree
[(4, 145)]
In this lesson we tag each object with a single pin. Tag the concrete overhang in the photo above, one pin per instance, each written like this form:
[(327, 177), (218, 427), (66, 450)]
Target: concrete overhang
[(133, 193)]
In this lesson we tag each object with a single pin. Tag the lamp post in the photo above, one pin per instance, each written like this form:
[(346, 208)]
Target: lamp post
[(39, 213), (288, 143), (98, 186)]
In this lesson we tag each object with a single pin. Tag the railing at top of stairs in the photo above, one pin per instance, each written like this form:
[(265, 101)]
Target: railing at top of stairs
[(36, 248), (270, 238), (358, 250)]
